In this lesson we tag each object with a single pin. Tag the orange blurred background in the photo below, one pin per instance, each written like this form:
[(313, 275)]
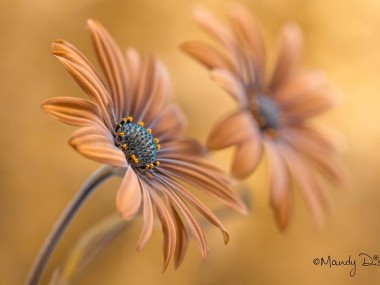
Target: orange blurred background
[(40, 173)]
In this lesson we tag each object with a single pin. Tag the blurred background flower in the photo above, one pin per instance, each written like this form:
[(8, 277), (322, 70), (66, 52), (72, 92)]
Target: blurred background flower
[(273, 113), (341, 37)]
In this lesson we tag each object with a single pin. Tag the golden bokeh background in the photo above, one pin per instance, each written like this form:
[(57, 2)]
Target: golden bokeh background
[(40, 173)]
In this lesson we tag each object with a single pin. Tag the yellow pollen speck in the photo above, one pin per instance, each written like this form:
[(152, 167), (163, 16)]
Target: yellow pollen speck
[(141, 124), (158, 147), (156, 140), (135, 160), (121, 134), (125, 146), (157, 163), (129, 119), (151, 165), (124, 120), (149, 131)]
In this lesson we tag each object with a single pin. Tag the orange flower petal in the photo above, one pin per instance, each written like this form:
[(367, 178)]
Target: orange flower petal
[(289, 52), (233, 129), (73, 111), (128, 198), (112, 61)]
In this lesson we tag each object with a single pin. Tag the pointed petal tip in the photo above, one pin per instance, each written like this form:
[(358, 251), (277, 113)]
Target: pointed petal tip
[(226, 236), (239, 206), (165, 266), (90, 22)]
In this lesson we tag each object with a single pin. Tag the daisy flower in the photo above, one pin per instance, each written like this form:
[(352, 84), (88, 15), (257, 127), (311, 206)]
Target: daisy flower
[(128, 125), (274, 111)]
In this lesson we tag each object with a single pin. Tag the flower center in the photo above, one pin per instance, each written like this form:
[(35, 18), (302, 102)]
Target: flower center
[(266, 112), (137, 143)]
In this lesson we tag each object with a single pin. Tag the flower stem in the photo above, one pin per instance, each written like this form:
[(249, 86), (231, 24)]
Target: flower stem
[(59, 228)]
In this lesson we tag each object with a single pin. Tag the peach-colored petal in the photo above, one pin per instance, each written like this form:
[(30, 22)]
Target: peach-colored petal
[(207, 55), (134, 70), (305, 181), (77, 55), (112, 62), (196, 203), (247, 157), (90, 83), (326, 139), (204, 179), (128, 198), (232, 85), (193, 224), (279, 177), (147, 216), (182, 238), (168, 229), (324, 158), (200, 161), (216, 29), (289, 52), (93, 143), (179, 147), (299, 84), (312, 105), (73, 111), (233, 129), (169, 123), (157, 99), (283, 211), (249, 30), (280, 193), (146, 85)]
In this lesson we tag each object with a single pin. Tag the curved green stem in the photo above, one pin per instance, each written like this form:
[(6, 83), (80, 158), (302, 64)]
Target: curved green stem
[(59, 228)]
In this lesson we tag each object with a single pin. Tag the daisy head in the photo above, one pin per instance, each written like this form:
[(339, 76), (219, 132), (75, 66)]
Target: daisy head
[(274, 111), (128, 125)]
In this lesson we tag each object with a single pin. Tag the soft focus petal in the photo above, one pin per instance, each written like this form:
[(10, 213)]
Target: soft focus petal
[(306, 182), (216, 29), (207, 55), (289, 52), (298, 85), (112, 62), (323, 137), (73, 111), (326, 160), (279, 186), (128, 199), (312, 105), (232, 85), (251, 38), (247, 157), (233, 129)]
